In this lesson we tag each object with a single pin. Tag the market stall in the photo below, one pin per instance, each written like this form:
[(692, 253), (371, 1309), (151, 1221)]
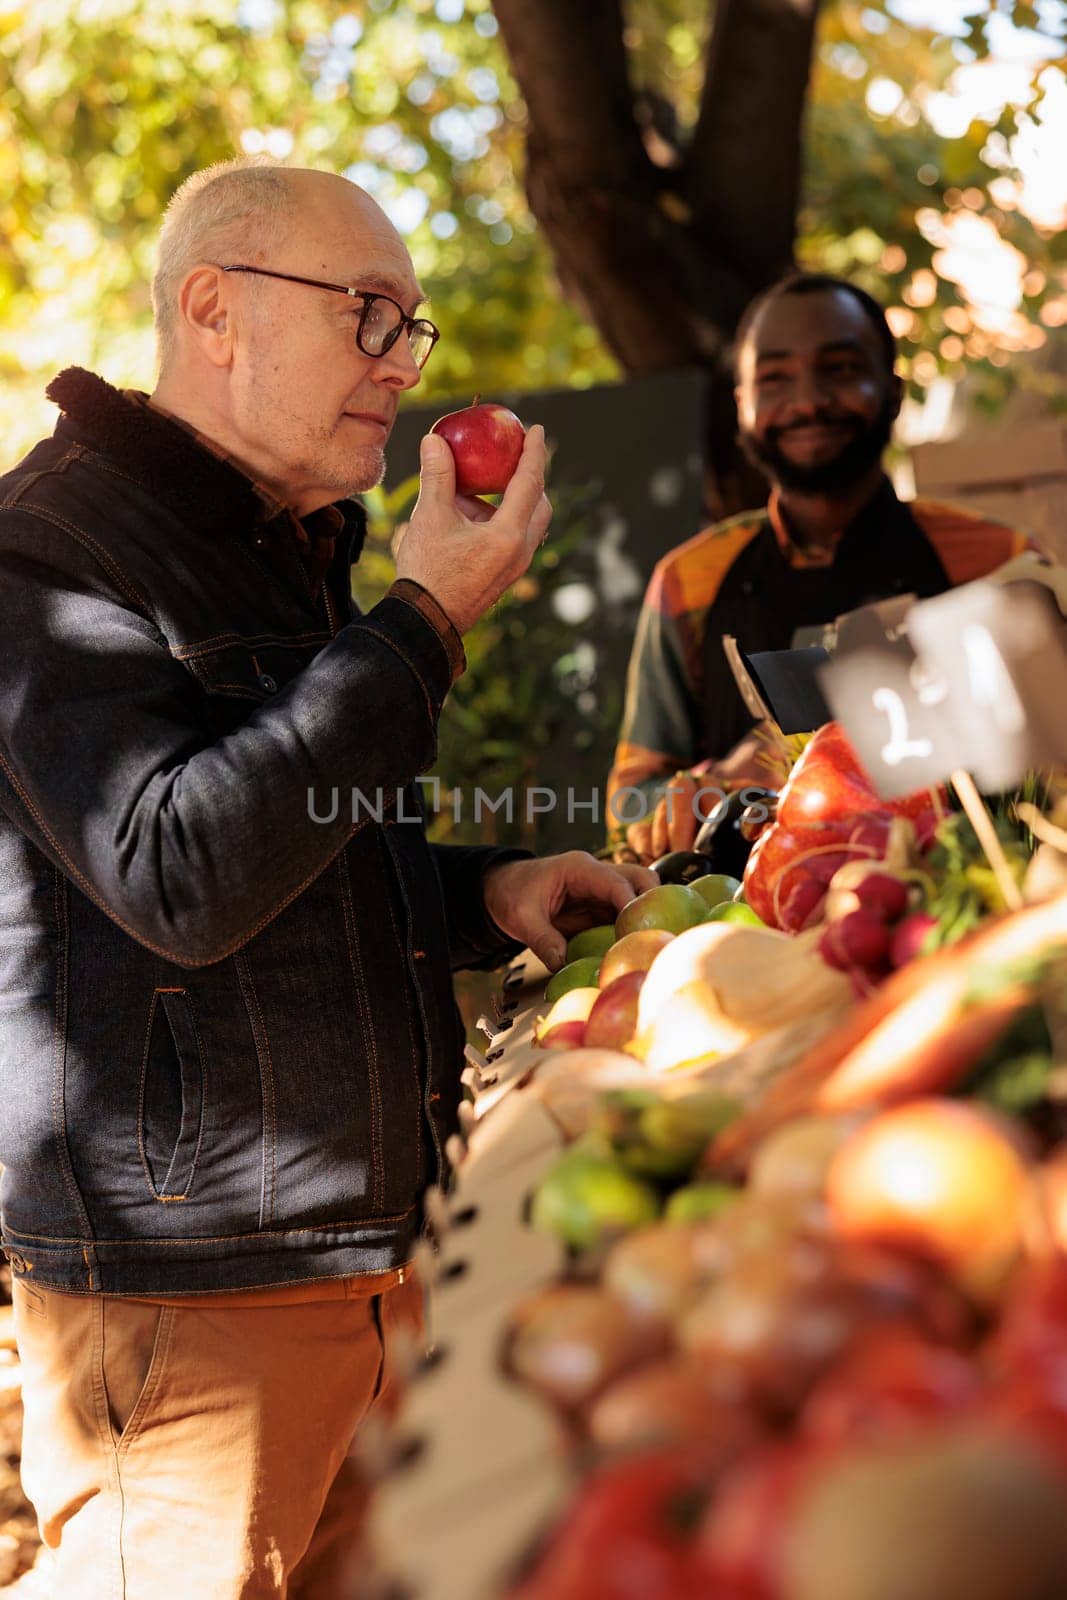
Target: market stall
[(752, 1284)]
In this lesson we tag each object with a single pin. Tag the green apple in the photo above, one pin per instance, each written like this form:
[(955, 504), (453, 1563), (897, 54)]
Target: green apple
[(715, 887), (735, 911), (587, 1197), (591, 942), (698, 1201), (580, 974), (672, 906)]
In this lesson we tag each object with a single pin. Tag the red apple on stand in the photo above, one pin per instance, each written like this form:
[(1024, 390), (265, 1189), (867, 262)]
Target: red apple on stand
[(486, 442), (613, 1019)]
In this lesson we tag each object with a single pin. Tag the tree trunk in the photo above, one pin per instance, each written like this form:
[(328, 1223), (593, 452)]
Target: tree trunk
[(663, 259)]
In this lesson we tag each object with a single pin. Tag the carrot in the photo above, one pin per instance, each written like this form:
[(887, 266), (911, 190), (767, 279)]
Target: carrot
[(639, 839), (920, 1033), (925, 1047), (682, 821), (659, 827)]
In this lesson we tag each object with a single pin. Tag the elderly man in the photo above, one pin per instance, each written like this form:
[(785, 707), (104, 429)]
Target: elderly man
[(229, 1051), (817, 397)]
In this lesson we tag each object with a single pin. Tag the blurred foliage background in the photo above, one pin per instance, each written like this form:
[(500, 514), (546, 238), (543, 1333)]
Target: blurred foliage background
[(934, 170), (934, 175)]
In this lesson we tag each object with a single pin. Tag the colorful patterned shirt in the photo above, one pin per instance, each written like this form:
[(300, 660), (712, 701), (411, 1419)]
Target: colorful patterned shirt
[(663, 726)]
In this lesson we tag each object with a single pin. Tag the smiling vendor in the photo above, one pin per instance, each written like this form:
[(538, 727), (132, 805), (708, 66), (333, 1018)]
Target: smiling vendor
[(817, 396)]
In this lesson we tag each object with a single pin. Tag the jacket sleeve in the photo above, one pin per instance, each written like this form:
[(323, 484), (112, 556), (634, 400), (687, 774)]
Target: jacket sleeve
[(474, 939), (659, 733), (191, 847)]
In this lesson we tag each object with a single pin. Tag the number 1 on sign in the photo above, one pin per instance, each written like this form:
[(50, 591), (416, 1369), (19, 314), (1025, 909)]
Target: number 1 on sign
[(899, 747)]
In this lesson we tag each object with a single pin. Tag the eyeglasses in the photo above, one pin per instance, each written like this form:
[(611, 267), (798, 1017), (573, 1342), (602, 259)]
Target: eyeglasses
[(380, 320)]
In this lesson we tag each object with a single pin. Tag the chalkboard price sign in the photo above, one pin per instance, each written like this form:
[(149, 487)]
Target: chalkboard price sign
[(974, 679)]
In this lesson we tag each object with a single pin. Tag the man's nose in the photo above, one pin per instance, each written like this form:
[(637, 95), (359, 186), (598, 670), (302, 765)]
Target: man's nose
[(398, 367), (807, 395)]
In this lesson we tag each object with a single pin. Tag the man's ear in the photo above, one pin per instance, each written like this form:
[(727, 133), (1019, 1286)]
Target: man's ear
[(206, 312)]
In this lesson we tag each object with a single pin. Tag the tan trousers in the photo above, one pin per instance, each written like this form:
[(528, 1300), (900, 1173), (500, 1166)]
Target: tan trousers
[(196, 1449)]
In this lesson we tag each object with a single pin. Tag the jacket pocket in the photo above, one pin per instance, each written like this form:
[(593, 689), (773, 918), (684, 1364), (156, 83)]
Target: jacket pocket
[(250, 670), (171, 1106)]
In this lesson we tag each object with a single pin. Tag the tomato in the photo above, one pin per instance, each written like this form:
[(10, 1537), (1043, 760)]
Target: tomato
[(891, 1384), (829, 782), (745, 1529), (631, 1534), (826, 783), (788, 872)]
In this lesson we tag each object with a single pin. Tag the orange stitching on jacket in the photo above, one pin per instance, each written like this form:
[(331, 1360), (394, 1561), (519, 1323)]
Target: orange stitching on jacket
[(153, 1191), (449, 663), (71, 454), (370, 1046), (387, 862), (405, 658), (206, 646), (59, 1051), (97, 899), (114, 572), (255, 1018), (221, 1238)]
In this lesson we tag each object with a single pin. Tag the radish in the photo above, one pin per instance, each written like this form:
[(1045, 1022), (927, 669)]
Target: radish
[(926, 826), (909, 937), (858, 939), (883, 895)]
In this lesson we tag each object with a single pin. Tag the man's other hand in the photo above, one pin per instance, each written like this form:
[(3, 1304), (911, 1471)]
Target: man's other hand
[(543, 903), (463, 550)]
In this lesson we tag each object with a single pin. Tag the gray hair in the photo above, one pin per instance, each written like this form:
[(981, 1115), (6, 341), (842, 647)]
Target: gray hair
[(230, 212)]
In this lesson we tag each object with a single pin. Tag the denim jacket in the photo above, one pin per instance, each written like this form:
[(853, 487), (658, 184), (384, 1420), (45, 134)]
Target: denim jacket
[(229, 1050)]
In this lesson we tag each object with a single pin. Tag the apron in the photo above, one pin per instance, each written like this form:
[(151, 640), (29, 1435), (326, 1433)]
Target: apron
[(762, 600)]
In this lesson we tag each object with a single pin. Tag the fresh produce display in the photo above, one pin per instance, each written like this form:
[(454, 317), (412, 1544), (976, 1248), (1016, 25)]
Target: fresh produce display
[(689, 977), (839, 1327), (486, 442), (805, 1337)]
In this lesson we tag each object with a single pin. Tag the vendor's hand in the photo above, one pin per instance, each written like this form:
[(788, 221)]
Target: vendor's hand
[(691, 797), (463, 550), (543, 903), (756, 759)]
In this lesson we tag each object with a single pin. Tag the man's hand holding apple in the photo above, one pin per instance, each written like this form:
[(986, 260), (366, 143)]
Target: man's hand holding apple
[(465, 552)]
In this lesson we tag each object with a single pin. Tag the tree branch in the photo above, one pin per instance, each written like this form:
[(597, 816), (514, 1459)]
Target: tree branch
[(743, 169), (617, 225), (570, 63)]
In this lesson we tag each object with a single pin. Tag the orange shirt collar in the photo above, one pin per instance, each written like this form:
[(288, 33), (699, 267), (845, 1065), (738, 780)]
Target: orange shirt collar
[(795, 554)]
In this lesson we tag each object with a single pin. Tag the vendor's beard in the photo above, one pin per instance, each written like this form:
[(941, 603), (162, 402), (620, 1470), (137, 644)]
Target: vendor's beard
[(852, 462)]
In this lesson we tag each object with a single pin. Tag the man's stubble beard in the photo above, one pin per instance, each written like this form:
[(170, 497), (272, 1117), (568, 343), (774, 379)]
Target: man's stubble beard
[(364, 469), (366, 477), (852, 462)]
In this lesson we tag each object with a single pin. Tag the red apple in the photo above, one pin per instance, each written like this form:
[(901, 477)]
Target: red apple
[(486, 442), (564, 1036), (613, 1020)]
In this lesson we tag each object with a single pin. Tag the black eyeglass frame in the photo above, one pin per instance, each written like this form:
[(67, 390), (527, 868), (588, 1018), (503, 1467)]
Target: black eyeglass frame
[(368, 297)]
